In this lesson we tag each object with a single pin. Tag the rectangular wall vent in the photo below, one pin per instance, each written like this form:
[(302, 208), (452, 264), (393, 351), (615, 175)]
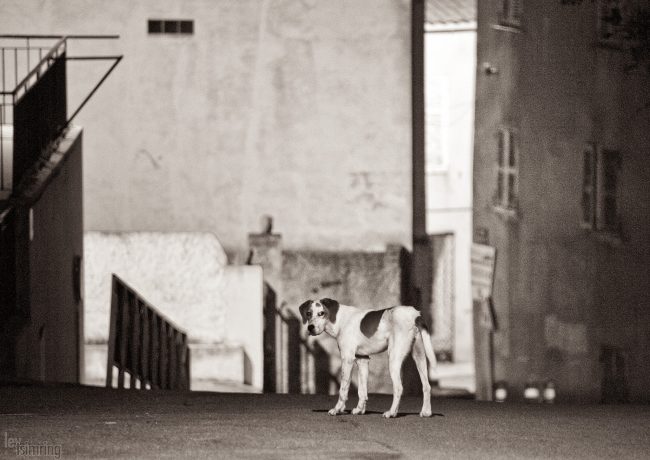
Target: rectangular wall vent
[(171, 26)]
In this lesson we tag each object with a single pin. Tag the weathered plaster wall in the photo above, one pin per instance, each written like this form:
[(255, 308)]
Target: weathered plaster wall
[(270, 102), (179, 274), (562, 292), (364, 279)]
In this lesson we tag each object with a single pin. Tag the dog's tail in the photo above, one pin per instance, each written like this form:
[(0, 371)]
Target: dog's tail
[(428, 349)]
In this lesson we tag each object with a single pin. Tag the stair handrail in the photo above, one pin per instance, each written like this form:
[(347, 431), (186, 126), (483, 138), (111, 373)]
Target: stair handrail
[(144, 344)]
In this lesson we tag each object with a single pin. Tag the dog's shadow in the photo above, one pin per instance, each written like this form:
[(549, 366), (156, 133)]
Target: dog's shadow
[(374, 412)]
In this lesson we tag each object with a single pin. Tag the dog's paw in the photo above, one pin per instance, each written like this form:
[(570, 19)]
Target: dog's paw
[(389, 414), (358, 411), (425, 413), (335, 411)]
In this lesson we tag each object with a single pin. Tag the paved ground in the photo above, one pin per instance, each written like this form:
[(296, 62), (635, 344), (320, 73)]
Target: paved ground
[(86, 422)]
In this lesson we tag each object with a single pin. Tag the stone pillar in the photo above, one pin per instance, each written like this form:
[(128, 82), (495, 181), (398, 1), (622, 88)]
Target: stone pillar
[(265, 250)]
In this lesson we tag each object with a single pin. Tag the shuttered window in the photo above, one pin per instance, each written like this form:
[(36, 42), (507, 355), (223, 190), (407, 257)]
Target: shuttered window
[(601, 189), (607, 218), (507, 170), (511, 13), (589, 186)]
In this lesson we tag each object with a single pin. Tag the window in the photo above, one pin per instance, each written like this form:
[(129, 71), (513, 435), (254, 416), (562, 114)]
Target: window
[(600, 189), (511, 12), (173, 26), (507, 170), (607, 217), (589, 187)]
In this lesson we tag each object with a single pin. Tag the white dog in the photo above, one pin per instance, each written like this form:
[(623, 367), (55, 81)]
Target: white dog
[(360, 333)]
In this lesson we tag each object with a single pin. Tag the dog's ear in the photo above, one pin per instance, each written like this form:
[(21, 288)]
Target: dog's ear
[(332, 308), (303, 311)]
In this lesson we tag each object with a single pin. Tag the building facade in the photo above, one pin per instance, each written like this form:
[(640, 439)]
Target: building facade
[(231, 110), (560, 190), (224, 111)]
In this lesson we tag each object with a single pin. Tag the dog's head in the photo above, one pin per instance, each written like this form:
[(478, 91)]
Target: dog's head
[(317, 313)]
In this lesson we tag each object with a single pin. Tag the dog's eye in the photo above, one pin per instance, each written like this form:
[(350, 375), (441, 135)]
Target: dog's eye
[(321, 313), (308, 314)]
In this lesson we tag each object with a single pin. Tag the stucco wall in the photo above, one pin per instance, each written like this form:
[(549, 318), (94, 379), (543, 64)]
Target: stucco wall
[(269, 102), (562, 293), (179, 274), (364, 279)]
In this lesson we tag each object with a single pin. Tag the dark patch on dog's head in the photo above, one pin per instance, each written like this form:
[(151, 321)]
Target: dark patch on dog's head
[(303, 310), (332, 307), (370, 322)]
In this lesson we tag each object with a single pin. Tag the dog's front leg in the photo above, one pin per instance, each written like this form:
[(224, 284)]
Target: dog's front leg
[(346, 370), (362, 364)]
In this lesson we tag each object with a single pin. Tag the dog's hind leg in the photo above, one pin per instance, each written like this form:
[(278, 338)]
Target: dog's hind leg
[(362, 364), (397, 351), (419, 356)]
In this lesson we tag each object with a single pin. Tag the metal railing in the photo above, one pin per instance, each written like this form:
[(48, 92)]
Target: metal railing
[(28, 122), (33, 99), (144, 344)]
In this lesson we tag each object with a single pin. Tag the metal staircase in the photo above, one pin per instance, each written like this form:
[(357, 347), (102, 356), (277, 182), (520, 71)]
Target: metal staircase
[(33, 100)]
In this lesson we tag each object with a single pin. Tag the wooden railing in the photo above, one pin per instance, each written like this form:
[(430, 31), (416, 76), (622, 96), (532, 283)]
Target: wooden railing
[(144, 344)]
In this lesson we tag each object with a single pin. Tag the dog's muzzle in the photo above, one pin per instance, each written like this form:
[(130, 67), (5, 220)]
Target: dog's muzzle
[(311, 328)]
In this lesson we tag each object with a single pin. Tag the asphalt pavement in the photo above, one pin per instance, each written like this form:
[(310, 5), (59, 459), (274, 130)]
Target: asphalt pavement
[(70, 421)]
